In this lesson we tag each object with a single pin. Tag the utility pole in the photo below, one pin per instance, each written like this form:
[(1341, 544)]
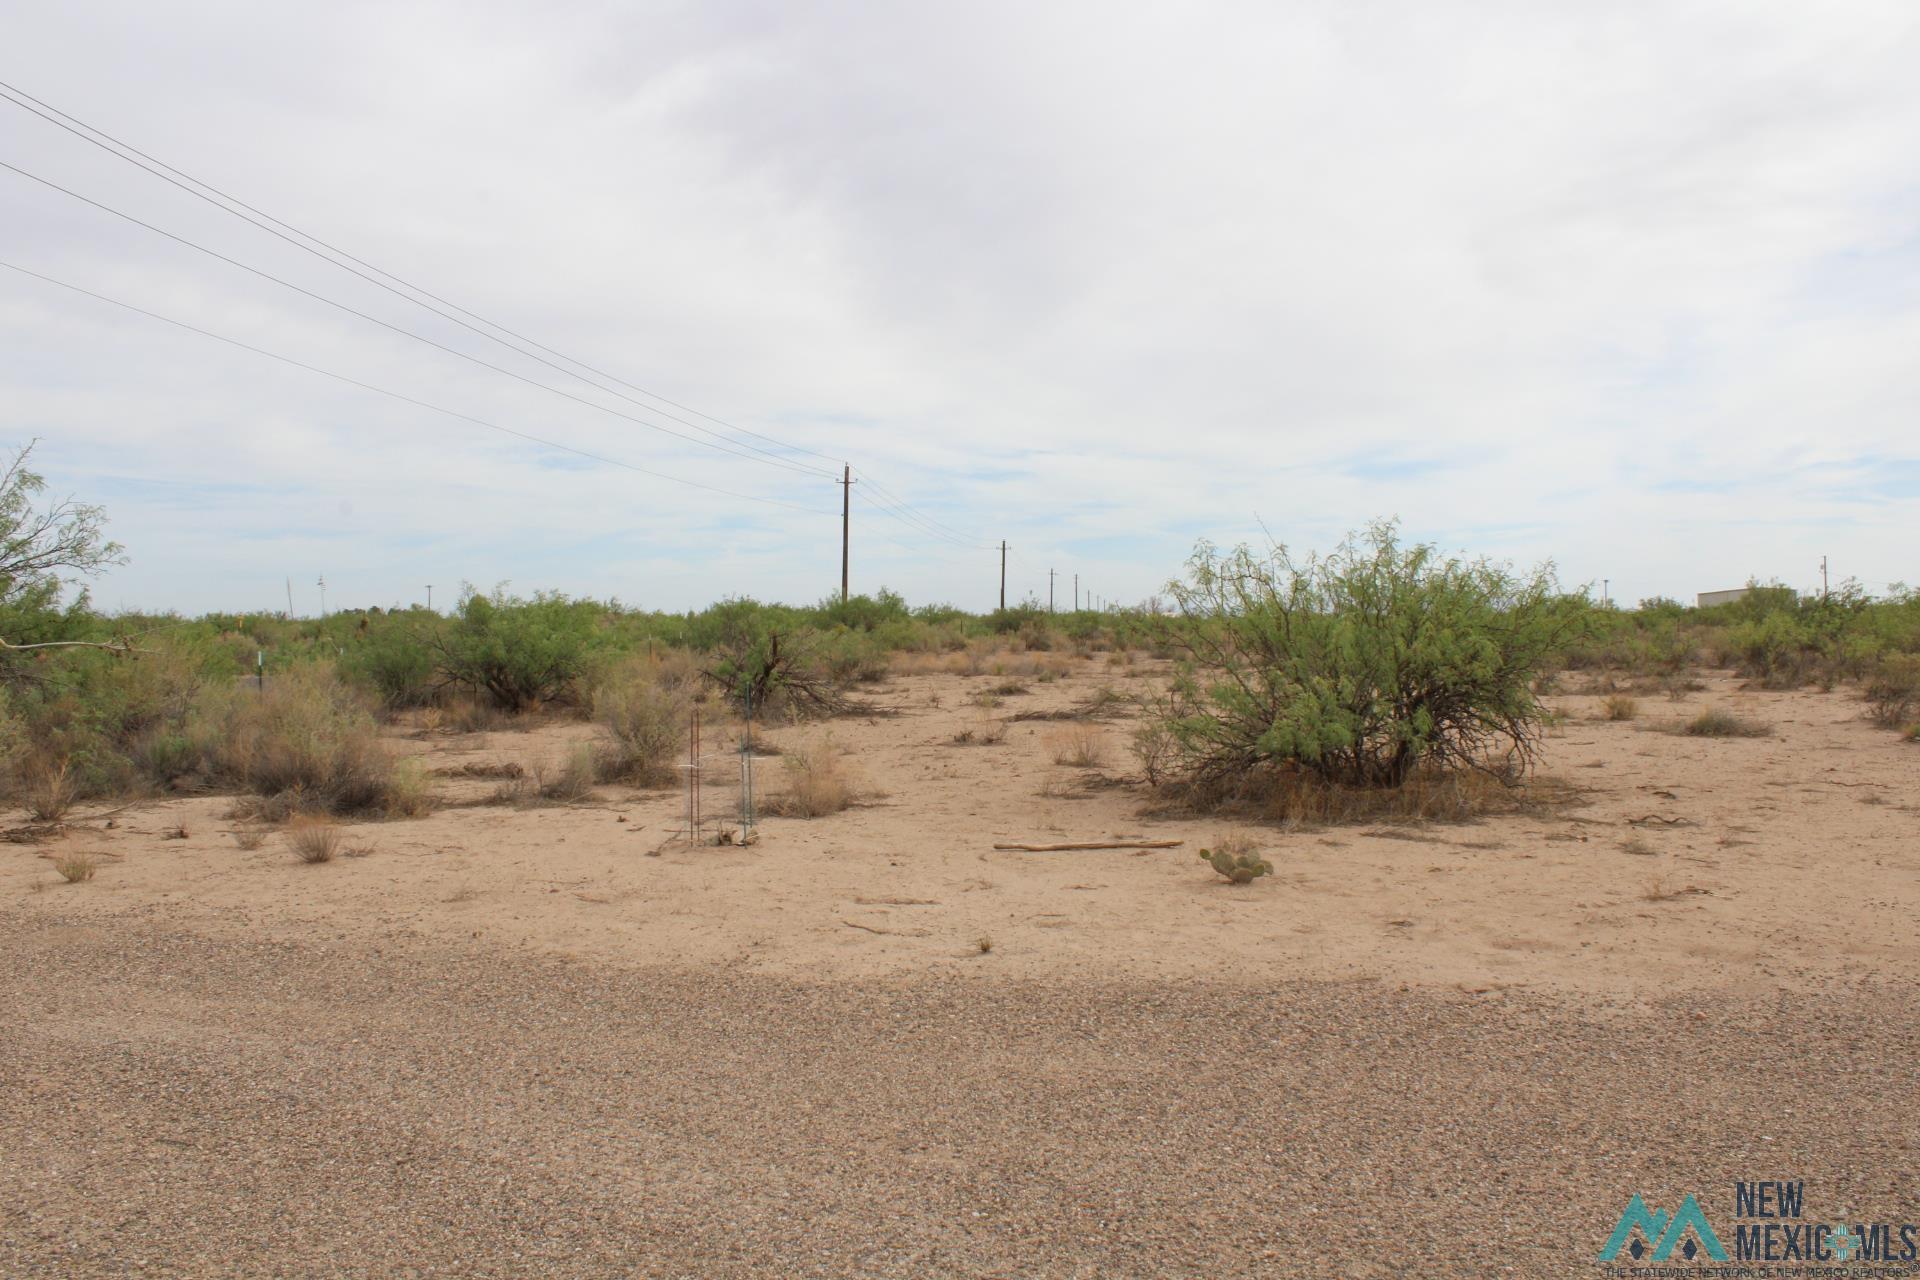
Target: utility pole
[(1606, 591), (1823, 577), (1050, 577), (846, 524), (289, 597), (1003, 575), (429, 597), (1076, 593), (323, 595)]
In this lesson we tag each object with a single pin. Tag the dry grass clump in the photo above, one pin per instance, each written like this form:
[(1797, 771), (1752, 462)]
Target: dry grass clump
[(48, 791), (76, 867), (1715, 723), (989, 732), (470, 715), (646, 719), (818, 782), (1618, 706), (250, 838), (314, 839), (1082, 746)]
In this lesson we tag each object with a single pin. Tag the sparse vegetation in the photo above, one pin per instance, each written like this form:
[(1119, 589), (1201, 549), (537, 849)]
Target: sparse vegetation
[(250, 838), (818, 782), (313, 839), (76, 867), (1715, 723), (1082, 746), (646, 723), (1618, 706), (1236, 860)]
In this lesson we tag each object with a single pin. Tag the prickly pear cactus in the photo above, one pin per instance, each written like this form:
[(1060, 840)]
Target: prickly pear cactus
[(1236, 868)]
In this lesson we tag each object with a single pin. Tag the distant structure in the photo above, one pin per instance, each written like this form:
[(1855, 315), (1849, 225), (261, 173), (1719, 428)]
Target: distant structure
[(1707, 599)]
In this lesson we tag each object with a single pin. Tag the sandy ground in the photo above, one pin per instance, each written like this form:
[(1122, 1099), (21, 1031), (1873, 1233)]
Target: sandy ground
[(536, 1042)]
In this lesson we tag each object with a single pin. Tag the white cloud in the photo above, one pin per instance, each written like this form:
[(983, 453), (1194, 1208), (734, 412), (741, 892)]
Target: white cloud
[(1094, 279)]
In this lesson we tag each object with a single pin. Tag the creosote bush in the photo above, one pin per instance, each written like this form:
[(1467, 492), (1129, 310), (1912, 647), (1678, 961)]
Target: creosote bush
[(1362, 669)]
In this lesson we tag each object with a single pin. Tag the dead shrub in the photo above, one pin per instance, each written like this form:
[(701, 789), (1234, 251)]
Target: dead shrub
[(250, 838), (1618, 706), (818, 782), (48, 791), (76, 867), (1081, 746), (314, 839)]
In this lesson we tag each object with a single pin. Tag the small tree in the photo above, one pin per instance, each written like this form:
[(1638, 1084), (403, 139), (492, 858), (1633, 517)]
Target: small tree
[(41, 549), (1359, 667), (518, 652)]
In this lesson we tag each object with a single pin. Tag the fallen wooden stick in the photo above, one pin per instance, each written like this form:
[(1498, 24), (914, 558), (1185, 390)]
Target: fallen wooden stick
[(1094, 844)]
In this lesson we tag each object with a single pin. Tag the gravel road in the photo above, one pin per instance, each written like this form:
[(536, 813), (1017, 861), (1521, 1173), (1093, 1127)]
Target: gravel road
[(182, 1105)]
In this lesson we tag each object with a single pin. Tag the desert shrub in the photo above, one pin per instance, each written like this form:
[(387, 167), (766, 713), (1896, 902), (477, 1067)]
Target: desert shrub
[(1776, 650), (1079, 745), (307, 741), (1715, 723), (1893, 691), (775, 674), (851, 657), (250, 838), (518, 653), (818, 782), (1236, 860), (1361, 668), (48, 791), (569, 779), (1618, 706), (314, 839), (76, 867), (646, 725), (393, 657)]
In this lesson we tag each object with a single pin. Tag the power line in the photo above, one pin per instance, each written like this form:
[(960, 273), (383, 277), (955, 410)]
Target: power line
[(885, 507), (401, 396), (404, 332), (233, 206), (935, 526)]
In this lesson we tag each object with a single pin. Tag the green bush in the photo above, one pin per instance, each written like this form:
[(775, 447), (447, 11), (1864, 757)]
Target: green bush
[(519, 653), (394, 657), (1359, 667)]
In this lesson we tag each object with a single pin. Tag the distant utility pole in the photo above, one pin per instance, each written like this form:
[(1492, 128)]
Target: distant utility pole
[(1050, 577), (429, 597), (1606, 591), (1076, 593), (289, 597), (323, 595), (846, 524), (1823, 577), (1003, 575)]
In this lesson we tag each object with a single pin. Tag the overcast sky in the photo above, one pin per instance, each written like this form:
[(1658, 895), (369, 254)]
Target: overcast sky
[(1633, 287)]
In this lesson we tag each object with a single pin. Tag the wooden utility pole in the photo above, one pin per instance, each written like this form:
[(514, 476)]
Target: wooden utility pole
[(1003, 575), (846, 524), (1076, 593), (1050, 578)]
